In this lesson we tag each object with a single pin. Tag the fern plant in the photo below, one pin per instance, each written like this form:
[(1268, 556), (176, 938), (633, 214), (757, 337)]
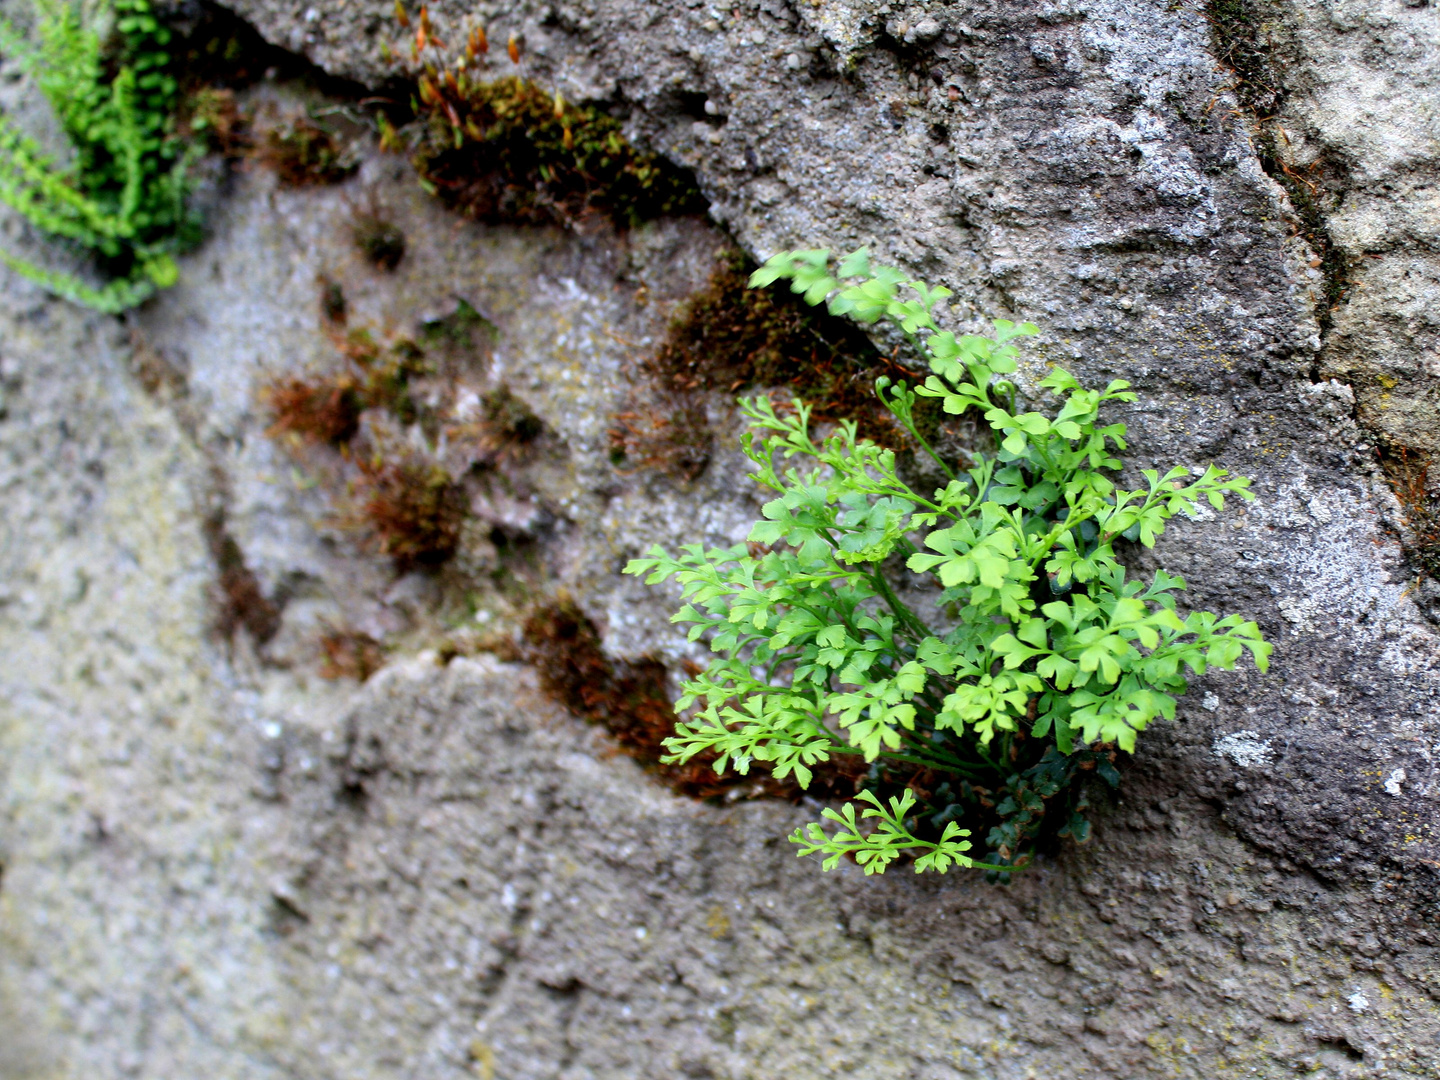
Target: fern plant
[(121, 197), (1040, 658)]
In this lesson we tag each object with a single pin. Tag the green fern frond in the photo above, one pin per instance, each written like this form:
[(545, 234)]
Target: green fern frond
[(119, 295), (123, 197)]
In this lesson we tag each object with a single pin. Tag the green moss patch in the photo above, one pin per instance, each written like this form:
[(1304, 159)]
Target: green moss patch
[(508, 151)]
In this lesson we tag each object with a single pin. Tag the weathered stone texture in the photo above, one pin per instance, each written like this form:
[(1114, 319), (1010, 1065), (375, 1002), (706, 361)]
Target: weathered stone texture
[(215, 862)]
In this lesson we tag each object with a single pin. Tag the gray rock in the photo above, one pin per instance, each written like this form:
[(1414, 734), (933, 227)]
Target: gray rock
[(216, 862)]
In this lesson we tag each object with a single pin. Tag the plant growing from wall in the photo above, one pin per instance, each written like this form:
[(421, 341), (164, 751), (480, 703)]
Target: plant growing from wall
[(1039, 659), (121, 197), (511, 151)]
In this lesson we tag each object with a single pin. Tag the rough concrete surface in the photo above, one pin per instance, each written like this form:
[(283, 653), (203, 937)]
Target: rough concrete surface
[(216, 862)]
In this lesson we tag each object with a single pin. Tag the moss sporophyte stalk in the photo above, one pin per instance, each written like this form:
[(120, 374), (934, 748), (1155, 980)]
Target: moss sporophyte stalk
[(1040, 660), (121, 197)]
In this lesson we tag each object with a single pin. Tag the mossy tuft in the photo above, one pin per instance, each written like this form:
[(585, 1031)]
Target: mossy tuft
[(509, 151), (1408, 471), (320, 411), (379, 240), (415, 510), (304, 154), (728, 338)]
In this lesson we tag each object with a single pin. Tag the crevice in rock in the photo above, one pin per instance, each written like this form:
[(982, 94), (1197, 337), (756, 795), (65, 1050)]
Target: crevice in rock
[(1242, 34), (240, 602), (218, 48), (1341, 1044)]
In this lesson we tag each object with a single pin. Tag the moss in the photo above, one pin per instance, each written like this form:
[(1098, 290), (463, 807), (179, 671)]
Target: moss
[(380, 241), (350, 654), (508, 425), (509, 151), (241, 602), (1240, 31), (463, 328), (730, 338), (630, 699), (1408, 471), (415, 510), (385, 374), (333, 305), (327, 408), (320, 410), (304, 154), (212, 114), (1312, 201)]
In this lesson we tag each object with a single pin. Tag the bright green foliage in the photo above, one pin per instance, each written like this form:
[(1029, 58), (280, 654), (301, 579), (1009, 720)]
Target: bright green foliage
[(1041, 654), (122, 196), (876, 850)]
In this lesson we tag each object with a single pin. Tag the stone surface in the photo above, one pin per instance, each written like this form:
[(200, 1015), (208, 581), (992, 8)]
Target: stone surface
[(1362, 98), (216, 862)]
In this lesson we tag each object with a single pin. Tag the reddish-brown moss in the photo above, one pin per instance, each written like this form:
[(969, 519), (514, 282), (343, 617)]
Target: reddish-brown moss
[(318, 410), (415, 510), (304, 154), (1409, 474), (212, 115), (240, 603), (327, 408), (729, 338), (631, 700), (350, 654)]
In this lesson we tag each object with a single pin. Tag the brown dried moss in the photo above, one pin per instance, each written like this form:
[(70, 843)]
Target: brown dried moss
[(631, 700), (415, 510), (1409, 474), (728, 338), (350, 654), (319, 410), (240, 603), (304, 154)]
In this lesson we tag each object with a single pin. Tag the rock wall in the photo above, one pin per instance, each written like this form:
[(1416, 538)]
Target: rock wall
[(214, 860)]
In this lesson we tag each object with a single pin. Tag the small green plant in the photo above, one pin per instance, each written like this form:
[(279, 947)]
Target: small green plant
[(1040, 659), (122, 195)]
